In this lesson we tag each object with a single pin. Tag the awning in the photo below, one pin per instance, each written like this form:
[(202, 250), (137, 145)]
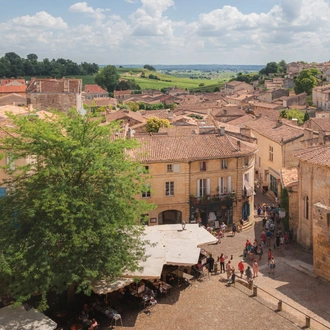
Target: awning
[(249, 189), (24, 319), (167, 245), (105, 286)]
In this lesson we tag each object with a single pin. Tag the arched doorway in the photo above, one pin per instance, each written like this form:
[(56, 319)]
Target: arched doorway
[(169, 217)]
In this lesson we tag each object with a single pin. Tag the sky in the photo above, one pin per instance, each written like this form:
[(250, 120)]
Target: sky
[(154, 32)]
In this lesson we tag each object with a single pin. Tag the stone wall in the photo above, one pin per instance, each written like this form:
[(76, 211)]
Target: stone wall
[(60, 101), (321, 237)]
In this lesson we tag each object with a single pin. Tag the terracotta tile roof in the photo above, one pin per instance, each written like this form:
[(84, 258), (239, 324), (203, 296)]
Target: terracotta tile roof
[(161, 148), (322, 123), (55, 86), (234, 83), (102, 101), (282, 134), (13, 89), (318, 155), (93, 88), (161, 114), (120, 114), (12, 82), (12, 109), (289, 176), (270, 114), (122, 92), (229, 111), (240, 120)]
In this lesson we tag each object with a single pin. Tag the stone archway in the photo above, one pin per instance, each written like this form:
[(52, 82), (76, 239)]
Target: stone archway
[(169, 217)]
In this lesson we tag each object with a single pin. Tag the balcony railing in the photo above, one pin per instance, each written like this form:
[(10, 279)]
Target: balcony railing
[(213, 198)]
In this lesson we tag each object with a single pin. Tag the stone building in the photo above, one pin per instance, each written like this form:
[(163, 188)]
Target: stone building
[(314, 205), (235, 86), (198, 173), (276, 143), (61, 94), (321, 97)]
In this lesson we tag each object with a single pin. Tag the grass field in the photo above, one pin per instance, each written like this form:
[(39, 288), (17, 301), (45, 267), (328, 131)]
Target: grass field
[(166, 80), (178, 79)]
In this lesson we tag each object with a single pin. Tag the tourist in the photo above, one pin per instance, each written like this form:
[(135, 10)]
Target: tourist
[(223, 228), (255, 268), (241, 267), (229, 269), (272, 266), (269, 255), (222, 259), (233, 229), (248, 274)]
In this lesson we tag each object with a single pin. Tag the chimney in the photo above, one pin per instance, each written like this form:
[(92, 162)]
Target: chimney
[(245, 131), (294, 121), (238, 145), (279, 123), (222, 131)]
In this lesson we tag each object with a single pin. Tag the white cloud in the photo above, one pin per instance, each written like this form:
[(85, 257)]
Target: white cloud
[(293, 30), (82, 7), (40, 19)]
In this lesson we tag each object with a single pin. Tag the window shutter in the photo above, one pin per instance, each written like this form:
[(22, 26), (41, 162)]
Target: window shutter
[(229, 184), (198, 188), (219, 186), (176, 168), (208, 186)]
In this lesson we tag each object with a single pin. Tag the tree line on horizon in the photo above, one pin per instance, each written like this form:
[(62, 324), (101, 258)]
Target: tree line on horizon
[(12, 65)]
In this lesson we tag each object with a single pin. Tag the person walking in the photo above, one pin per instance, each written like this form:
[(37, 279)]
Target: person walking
[(272, 266), (229, 269), (241, 267), (222, 259), (255, 267), (248, 274), (233, 229), (269, 255)]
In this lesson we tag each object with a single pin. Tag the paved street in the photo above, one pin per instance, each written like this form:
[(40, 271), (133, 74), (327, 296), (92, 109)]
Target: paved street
[(210, 304)]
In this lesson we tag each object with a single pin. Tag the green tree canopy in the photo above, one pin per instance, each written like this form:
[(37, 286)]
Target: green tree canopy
[(293, 113), (71, 215), (271, 67), (155, 123), (281, 66), (107, 78), (149, 67), (306, 81)]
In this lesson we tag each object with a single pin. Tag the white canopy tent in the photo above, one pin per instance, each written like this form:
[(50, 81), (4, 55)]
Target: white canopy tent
[(21, 319), (167, 245)]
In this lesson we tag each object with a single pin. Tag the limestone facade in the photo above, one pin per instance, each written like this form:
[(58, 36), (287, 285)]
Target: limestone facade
[(207, 177)]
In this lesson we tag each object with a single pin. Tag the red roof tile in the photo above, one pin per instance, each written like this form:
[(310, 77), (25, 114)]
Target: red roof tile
[(319, 155)]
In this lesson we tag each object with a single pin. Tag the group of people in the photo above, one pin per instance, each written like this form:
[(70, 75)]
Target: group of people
[(87, 318)]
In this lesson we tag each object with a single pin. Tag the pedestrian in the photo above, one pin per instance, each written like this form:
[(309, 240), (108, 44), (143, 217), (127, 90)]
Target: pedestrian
[(259, 210), (255, 268), (228, 269), (241, 267), (210, 262), (223, 228), (222, 259), (263, 237), (248, 274), (269, 238), (272, 266), (282, 241), (260, 251), (233, 229), (277, 241), (269, 255)]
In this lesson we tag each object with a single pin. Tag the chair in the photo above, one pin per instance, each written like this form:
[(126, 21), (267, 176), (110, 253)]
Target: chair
[(115, 318)]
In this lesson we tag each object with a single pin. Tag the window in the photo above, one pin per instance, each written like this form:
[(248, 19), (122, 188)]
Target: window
[(173, 167), (203, 166), (2, 191), (146, 193), (224, 185), (203, 187), (271, 153), (246, 161), (306, 207), (169, 188), (146, 169), (224, 163), (273, 184), (260, 162)]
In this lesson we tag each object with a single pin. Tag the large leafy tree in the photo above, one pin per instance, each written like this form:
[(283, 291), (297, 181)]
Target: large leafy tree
[(70, 215), (154, 124), (306, 81), (107, 78)]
